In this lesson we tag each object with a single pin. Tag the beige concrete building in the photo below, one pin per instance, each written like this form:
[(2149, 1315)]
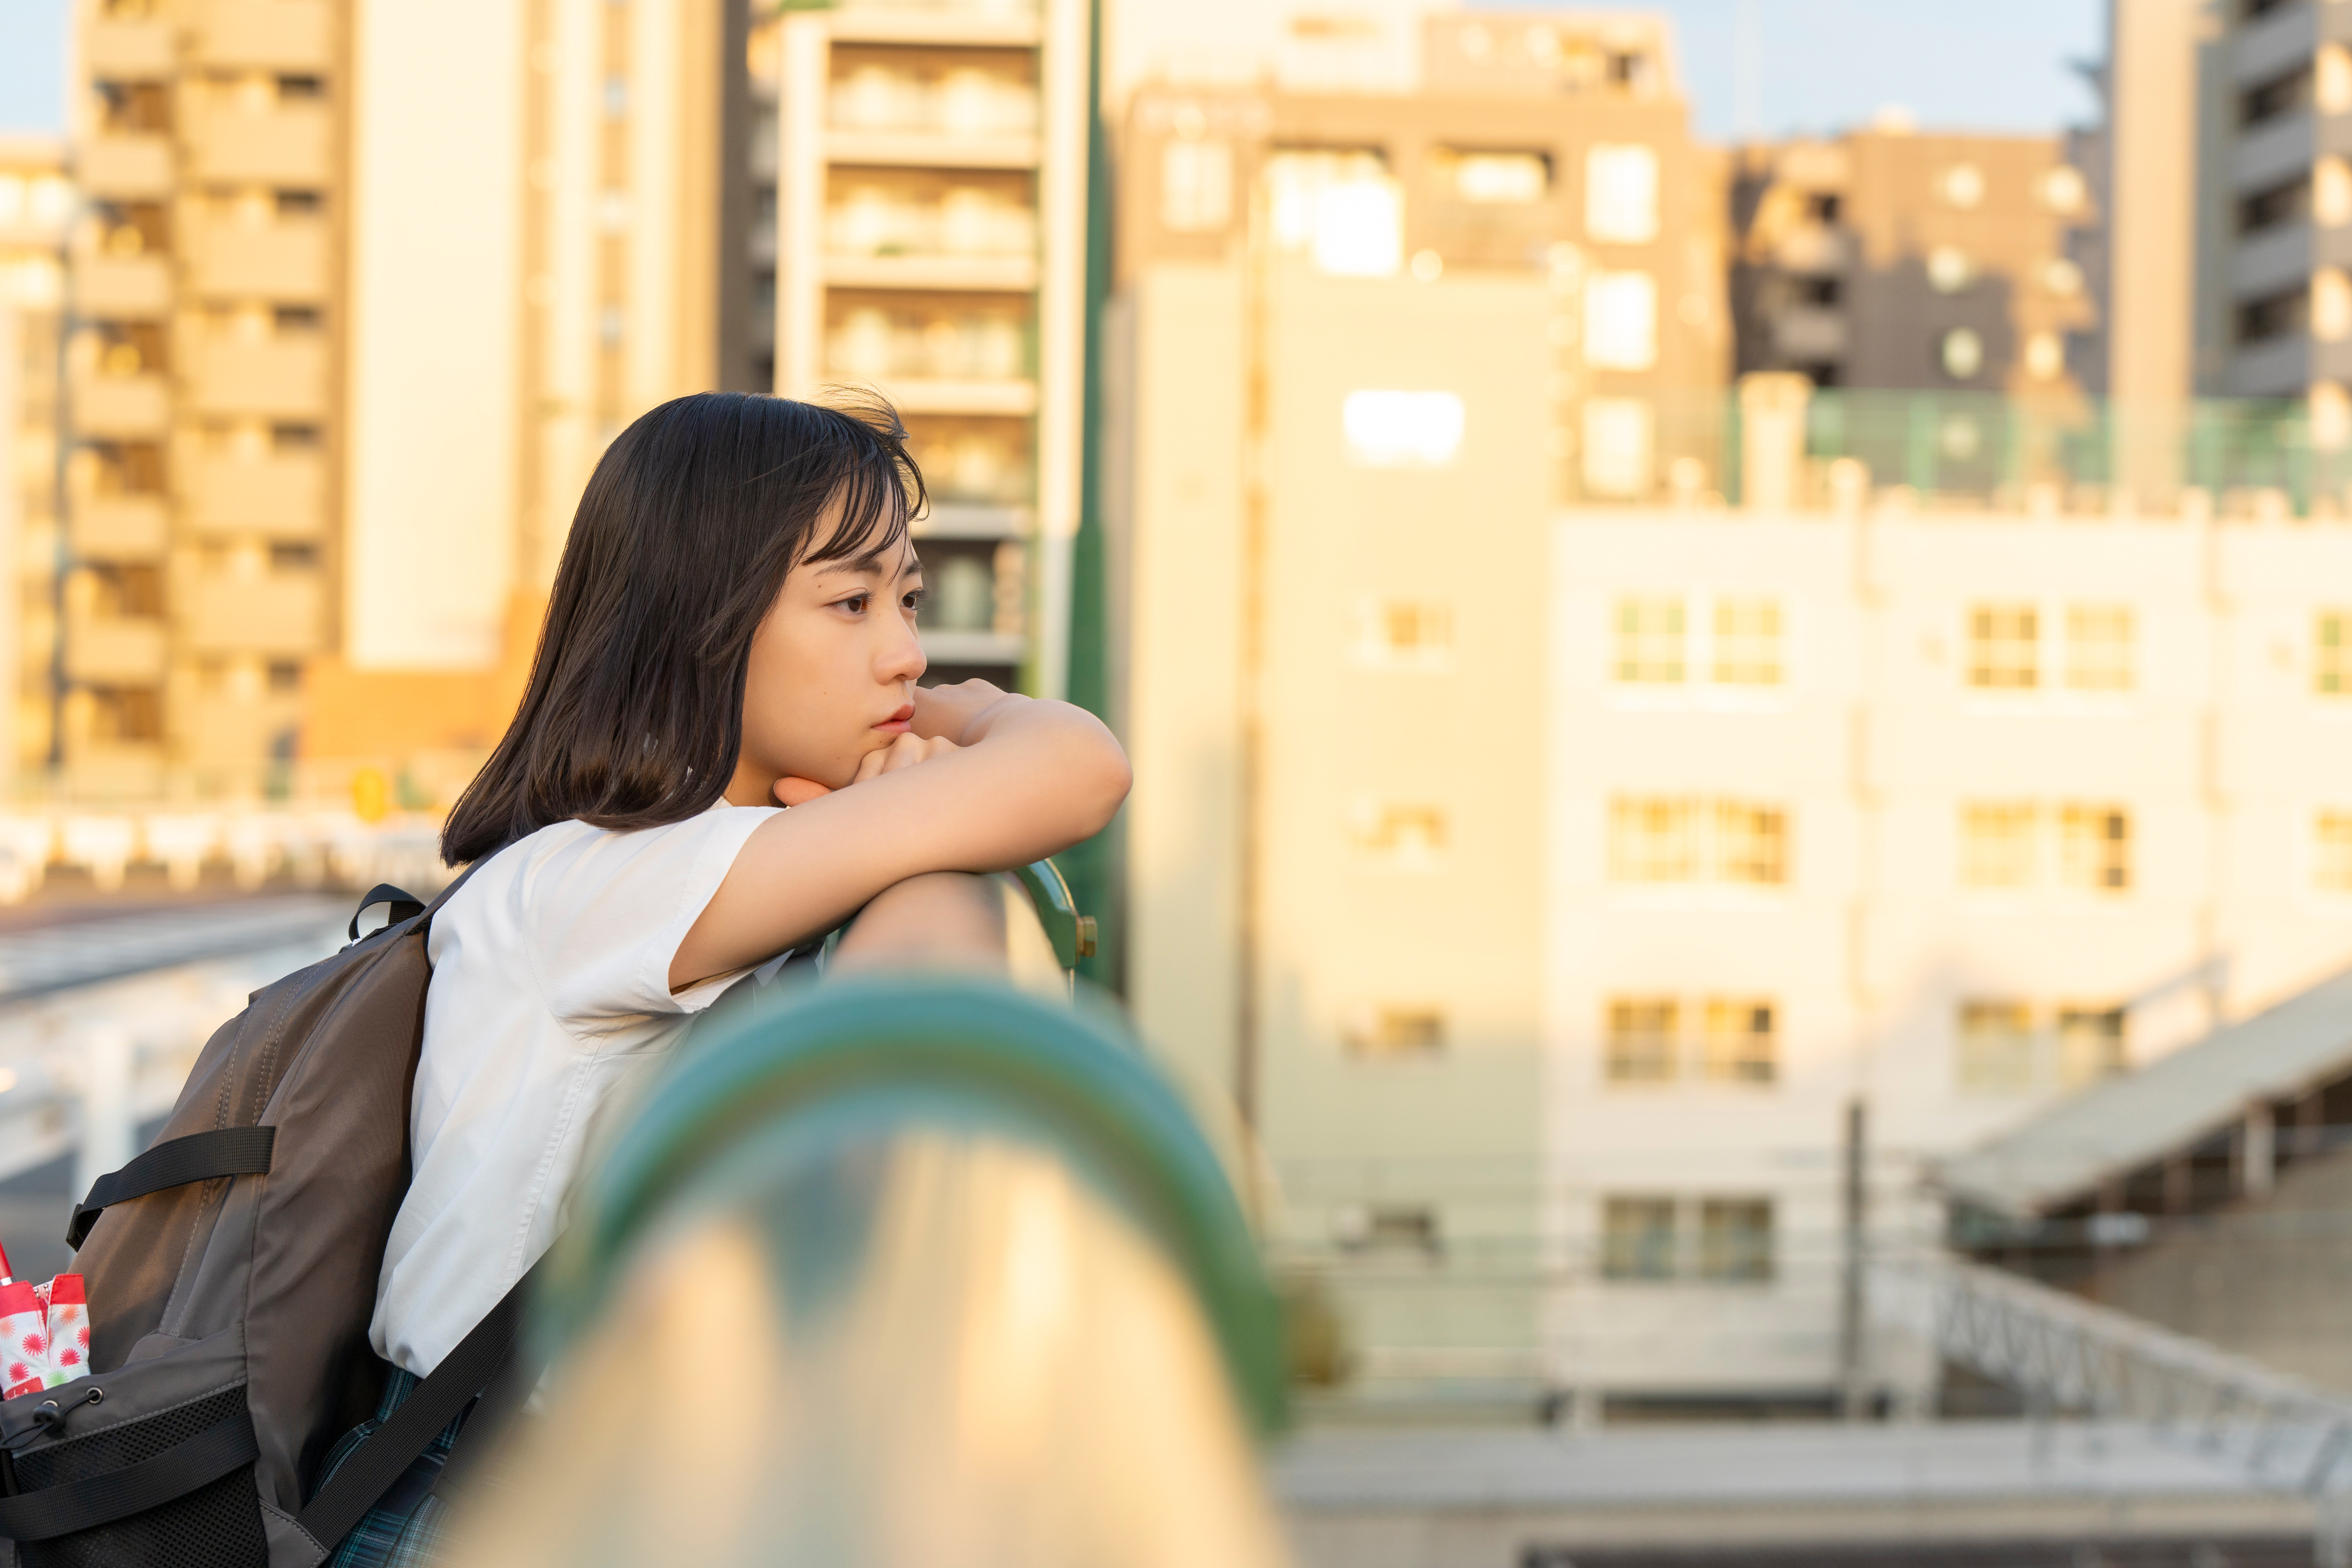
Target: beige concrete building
[(1892, 259), (1552, 146), (1361, 347), (203, 382), (926, 236), (36, 204), (355, 311)]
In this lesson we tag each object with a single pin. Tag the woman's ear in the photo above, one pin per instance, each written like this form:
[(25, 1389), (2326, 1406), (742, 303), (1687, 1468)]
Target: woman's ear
[(792, 791)]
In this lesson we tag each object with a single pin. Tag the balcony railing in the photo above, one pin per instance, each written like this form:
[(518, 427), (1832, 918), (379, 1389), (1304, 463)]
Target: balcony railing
[(1839, 447)]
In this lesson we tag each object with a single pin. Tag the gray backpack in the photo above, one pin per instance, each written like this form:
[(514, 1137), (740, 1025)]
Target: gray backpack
[(232, 1274)]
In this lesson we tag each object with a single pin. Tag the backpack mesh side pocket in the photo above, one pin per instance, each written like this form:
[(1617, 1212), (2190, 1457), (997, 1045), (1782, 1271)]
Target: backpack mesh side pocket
[(218, 1525)]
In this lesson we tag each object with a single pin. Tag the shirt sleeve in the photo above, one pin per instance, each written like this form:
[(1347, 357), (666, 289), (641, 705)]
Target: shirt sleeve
[(605, 913)]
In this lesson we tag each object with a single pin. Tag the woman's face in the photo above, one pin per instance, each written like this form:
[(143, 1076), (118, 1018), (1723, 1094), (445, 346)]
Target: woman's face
[(832, 673)]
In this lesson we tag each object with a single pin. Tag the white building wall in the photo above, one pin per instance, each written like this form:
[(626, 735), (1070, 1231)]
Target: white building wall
[(2222, 752)]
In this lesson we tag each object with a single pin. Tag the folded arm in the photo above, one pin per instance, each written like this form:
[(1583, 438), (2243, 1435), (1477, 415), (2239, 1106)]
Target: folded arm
[(1026, 779)]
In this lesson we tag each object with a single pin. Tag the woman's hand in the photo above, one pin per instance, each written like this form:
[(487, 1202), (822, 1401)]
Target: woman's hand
[(961, 712), (903, 752)]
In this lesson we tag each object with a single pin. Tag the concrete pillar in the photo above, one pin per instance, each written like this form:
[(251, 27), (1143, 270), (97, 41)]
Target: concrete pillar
[(2152, 238), (1772, 406), (2257, 1151), (107, 1111)]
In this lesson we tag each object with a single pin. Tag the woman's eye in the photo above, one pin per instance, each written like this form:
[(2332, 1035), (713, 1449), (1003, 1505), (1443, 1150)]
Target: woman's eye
[(856, 605), (914, 599)]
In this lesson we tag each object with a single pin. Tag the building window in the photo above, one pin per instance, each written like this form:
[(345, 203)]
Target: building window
[(1670, 838), (1996, 1047), (1961, 353), (2099, 647), (2331, 662), (1649, 642), (1405, 634), (285, 675), (1391, 1033), (2331, 861), (1735, 1240), (1196, 186), (1402, 430), (1404, 829), (2004, 647), (2095, 848), (1621, 321), (1739, 1045), (1653, 839), (1637, 1239), (1642, 1031), (2090, 1045), (1494, 178), (1747, 642), (1751, 842), (1621, 192), (1388, 1227), (1997, 844), (1618, 444)]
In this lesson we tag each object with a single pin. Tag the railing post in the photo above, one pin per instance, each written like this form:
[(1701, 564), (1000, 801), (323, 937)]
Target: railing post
[(1772, 405)]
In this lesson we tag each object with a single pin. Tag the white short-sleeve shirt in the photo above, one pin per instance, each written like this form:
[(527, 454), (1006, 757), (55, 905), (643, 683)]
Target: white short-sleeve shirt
[(551, 993)]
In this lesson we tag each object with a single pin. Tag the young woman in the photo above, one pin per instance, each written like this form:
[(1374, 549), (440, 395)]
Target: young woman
[(731, 632)]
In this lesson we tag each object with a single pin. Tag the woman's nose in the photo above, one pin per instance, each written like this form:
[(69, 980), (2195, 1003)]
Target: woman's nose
[(903, 658)]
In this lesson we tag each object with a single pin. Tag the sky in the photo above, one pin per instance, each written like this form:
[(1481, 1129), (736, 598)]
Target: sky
[(1813, 65)]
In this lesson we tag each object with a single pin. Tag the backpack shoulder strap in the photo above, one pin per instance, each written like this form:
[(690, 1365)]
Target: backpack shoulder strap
[(391, 1448)]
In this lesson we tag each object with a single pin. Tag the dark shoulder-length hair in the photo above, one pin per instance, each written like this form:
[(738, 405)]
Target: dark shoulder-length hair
[(633, 713)]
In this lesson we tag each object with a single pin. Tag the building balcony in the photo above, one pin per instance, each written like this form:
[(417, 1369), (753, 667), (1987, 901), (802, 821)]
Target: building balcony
[(2276, 368), (126, 166), (953, 519), (993, 274), (2274, 151), (998, 397), (119, 528), (973, 648), (2277, 258), (284, 377), (120, 288), (266, 35), (114, 650), (1815, 249), (930, 149), (276, 613), (130, 407), (283, 496), (2266, 46), (278, 146), (280, 261), (997, 26), (1808, 332), (117, 51)]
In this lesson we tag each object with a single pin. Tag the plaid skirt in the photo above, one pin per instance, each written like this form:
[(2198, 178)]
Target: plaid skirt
[(408, 1525)]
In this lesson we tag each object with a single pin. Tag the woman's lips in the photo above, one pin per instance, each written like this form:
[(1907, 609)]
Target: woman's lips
[(896, 723)]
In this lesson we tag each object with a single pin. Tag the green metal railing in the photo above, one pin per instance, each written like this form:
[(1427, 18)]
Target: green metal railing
[(1993, 449)]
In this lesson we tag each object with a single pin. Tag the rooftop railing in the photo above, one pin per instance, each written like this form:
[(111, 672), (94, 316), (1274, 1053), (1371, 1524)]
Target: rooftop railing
[(1776, 443)]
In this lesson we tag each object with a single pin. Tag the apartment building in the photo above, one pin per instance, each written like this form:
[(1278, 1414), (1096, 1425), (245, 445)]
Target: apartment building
[(1361, 346), (1892, 259), (923, 219), (35, 206), (2275, 299), (1552, 146), (208, 322), (353, 316)]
